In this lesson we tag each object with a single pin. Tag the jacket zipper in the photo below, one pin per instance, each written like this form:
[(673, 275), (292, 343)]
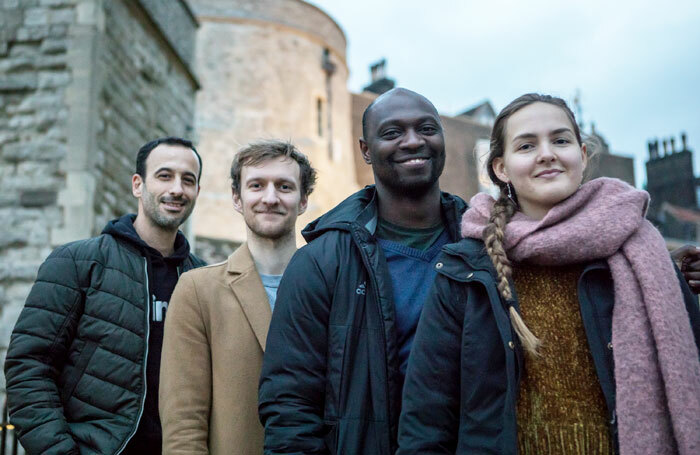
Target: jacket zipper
[(145, 359), (365, 259)]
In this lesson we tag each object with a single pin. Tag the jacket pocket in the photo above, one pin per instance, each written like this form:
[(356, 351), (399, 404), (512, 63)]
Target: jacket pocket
[(331, 436), (81, 365)]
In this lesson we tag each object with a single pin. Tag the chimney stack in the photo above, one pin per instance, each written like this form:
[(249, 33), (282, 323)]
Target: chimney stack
[(378, 70)]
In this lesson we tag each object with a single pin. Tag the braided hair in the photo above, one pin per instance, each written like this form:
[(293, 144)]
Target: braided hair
[(505, 207)]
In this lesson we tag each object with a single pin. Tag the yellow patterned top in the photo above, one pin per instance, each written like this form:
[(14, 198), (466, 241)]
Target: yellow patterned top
[(561, 408)]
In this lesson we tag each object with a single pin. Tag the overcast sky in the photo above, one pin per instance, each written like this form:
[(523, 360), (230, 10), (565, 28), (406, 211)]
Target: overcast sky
[(636, 63)]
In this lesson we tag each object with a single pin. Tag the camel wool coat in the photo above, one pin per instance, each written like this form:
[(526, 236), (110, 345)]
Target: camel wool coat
[(215, 332)]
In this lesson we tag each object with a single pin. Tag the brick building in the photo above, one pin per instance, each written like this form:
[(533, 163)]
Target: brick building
[(672, 185)]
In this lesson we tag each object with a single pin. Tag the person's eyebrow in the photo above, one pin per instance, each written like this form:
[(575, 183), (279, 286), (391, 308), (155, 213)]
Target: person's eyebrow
[(399, 121), (167, 169), (561, 130), (552, 133), (524, 136)]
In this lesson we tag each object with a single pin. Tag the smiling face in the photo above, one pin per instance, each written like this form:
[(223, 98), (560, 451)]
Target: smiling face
[(542, 158), (270, 198), (168, 191), (404, 143)]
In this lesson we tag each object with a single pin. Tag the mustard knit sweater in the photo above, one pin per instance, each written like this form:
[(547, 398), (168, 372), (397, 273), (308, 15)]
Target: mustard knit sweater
[(560, 408)]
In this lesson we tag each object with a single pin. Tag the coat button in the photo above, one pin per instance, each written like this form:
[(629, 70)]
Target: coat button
[(438, 265), (511, 345), (470, 275), (610, 345)]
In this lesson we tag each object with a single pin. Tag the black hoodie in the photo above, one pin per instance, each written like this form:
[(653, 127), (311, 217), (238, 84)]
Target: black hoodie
[(163, 273)]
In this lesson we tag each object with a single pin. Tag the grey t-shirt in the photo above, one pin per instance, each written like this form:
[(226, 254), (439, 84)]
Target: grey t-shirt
[(271, 283)]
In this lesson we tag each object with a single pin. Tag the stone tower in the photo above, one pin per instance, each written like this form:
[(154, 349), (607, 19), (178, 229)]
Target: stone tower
[(269, 69)]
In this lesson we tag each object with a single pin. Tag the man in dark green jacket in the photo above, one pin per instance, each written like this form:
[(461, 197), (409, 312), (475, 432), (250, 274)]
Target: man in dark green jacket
[(349, 301), (83, 362)]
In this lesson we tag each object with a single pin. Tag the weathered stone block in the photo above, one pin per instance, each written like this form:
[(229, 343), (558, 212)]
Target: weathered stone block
[(62, 16), (10, 4), (54, 46), (19, 63), (53, 79), (9, 198), (56, 2), (32, 177), (58, 31), (23, 49), (36, 101), (21, 121), (52, 62), (36, 171), (13, 19), (40, 198), (17, 82), (36, 16), (12, 237), (32, 33), (8, 136)]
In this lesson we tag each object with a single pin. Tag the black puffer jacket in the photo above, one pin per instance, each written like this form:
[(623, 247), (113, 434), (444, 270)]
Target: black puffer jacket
[(75, 367), (330, 375)]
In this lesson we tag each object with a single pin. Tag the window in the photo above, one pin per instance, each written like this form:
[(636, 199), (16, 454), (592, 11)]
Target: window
[(319, 116)]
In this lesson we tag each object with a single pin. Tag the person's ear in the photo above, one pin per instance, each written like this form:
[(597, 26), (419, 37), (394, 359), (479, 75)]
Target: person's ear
[(365, 151), (499, 168), (303, 204), (584, 155), (136, 185), (237, 203)]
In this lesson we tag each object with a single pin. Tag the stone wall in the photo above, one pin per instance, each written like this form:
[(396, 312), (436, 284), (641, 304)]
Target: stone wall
[(295, 15), (34, 78), (83, 84), (143, 94)]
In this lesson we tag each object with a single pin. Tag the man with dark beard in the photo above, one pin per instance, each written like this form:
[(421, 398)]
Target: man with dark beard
[(83, 362), (219, 315), (349, 302)]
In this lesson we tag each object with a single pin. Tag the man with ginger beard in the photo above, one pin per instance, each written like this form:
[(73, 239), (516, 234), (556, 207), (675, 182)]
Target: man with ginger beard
[(83, 363), (219, 315)]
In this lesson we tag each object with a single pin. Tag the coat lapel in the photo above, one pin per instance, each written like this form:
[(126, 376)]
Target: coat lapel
[(246, 285)]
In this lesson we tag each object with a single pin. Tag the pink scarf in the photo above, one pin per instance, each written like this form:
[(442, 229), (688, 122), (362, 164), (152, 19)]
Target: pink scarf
[(657, 373)]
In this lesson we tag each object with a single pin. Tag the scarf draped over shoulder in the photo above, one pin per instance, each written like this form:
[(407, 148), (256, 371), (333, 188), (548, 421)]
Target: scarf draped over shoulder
[(657, 370)]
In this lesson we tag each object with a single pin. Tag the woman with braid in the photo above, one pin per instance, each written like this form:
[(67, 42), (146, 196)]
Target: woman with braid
[(559, 323)]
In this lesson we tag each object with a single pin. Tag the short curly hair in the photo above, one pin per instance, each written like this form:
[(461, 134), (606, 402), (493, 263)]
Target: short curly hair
[(261, 151)]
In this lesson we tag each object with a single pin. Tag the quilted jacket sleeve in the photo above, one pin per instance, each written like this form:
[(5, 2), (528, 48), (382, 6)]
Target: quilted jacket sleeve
[(37, 353), (430, 415), (691, 305), (293, 380), (185, 374)]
